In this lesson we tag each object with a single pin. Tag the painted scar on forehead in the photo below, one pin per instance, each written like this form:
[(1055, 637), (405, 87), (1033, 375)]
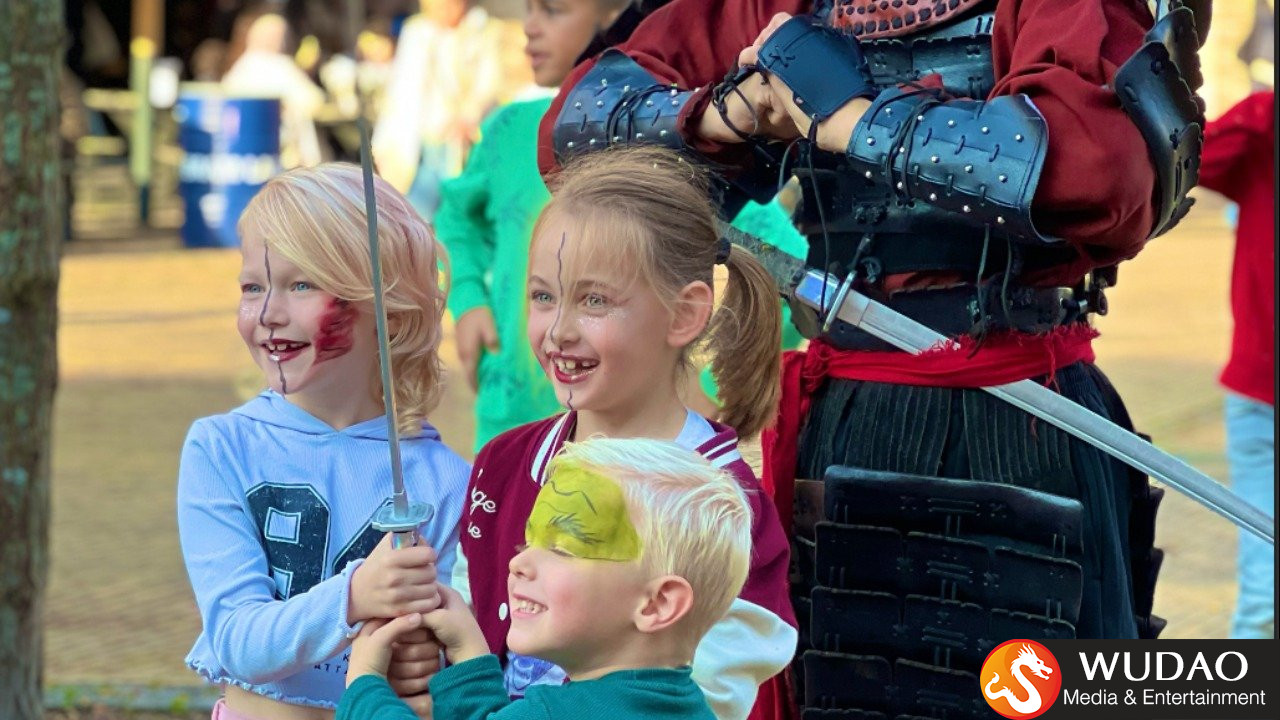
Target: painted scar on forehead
[(334, 338), (262, 319), (583, 514)]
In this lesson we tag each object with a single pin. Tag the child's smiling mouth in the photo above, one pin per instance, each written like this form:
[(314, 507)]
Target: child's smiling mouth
[(570, 370), (282, 350)]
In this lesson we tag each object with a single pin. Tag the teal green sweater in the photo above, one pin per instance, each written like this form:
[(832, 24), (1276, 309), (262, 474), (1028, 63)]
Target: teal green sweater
[(485, 220), (473, 690)]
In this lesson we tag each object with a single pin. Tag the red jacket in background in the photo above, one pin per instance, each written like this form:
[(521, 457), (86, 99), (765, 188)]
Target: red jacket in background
[(1238, 161)]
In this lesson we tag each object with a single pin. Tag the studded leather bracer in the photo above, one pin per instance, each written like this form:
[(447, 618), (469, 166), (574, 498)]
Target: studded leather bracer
[(977, 162), (618, 103)]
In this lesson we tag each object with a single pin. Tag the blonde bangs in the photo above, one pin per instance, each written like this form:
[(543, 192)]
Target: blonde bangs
[(595, 237)]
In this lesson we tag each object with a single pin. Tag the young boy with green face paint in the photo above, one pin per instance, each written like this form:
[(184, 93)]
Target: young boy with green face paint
[(634, 548)]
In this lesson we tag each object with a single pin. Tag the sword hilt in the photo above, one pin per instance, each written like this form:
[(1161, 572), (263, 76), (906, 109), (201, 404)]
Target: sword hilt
[(404, 523)]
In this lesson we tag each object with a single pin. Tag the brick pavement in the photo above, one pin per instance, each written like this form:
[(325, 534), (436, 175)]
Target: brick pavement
[(147, 344)]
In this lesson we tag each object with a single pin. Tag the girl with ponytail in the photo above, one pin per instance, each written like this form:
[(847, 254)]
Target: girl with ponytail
[(621, 304)]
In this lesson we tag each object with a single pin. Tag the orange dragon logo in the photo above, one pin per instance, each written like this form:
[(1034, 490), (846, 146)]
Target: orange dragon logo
[(1021, 679)]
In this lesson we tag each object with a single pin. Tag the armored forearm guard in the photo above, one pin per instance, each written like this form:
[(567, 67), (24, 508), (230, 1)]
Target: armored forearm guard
[(977, 161), (618, 103), (1157, 89)]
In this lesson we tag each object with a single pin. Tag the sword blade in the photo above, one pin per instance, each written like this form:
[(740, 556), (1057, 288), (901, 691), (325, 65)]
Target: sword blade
[(399, 499), (818, 290)]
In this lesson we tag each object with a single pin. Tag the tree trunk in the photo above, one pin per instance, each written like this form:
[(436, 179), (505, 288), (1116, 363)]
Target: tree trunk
[(31, 222)]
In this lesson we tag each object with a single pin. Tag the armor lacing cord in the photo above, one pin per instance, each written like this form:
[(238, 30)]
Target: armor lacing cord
[(863, 246), (904, 138), (822, 217), (628, 108), (782, 165), (720, 96), (1004, 286), (982, 294)]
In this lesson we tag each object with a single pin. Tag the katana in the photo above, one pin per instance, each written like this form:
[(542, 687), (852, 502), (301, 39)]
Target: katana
[(400, 516), (826, 294)]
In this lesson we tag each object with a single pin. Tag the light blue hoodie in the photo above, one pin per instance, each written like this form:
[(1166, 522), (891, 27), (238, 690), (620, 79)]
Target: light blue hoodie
[(274, 510)]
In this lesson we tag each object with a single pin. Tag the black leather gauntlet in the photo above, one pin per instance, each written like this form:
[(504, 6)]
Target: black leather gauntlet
[(979, 161), (823, 67)]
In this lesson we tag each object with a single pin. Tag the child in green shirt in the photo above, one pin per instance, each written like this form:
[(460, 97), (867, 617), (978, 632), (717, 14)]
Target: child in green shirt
[(634, 548)]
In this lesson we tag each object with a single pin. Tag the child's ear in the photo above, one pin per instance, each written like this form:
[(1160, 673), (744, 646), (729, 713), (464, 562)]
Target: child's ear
[(692, 313), (670, 598)]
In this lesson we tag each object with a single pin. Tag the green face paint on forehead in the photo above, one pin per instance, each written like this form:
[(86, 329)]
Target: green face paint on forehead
[(583, 514)]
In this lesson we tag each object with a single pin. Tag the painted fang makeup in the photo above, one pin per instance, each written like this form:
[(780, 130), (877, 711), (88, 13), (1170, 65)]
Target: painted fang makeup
[(583, 514)]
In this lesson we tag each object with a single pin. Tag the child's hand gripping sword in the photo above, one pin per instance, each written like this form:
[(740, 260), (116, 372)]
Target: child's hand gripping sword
[(401, 517)]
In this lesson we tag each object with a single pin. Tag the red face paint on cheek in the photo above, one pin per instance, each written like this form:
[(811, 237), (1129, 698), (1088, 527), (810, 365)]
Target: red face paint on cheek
[(333, 339)]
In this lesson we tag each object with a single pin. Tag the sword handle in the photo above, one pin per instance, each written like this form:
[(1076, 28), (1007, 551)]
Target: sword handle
[(406, 539)]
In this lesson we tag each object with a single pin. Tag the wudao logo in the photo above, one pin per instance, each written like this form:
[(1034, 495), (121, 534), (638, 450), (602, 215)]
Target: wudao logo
[(1020, 679)]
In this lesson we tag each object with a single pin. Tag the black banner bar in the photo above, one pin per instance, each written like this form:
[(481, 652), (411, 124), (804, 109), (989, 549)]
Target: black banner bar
[(1166, 679)]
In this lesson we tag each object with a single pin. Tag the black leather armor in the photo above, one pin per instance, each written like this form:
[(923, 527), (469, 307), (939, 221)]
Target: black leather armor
[(909, 581)]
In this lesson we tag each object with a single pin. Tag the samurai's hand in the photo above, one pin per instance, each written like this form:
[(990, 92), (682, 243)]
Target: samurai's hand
[(833, 132), (749, 108)]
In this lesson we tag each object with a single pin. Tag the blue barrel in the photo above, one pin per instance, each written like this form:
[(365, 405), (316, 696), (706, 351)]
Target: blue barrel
[(231, 148)]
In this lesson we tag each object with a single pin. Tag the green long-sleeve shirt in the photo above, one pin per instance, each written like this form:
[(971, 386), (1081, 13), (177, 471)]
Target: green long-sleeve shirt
[(485, 220), (473, 691)]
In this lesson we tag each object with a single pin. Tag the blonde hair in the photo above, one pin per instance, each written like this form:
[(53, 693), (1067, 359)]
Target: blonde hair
[(315, 218), (648, 205), (693, 520)]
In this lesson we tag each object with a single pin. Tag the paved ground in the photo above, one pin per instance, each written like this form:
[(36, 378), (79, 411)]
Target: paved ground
[(147, 344)]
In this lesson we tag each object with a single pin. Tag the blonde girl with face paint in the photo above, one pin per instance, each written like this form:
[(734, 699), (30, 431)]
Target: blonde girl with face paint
[(620, 302), (275, 498)]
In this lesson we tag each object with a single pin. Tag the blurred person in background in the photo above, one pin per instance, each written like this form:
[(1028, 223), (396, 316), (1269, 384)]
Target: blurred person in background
[(451, 68), (208, 59), (1259, 49), (1239, 149), (266, 69), (96, 39)]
